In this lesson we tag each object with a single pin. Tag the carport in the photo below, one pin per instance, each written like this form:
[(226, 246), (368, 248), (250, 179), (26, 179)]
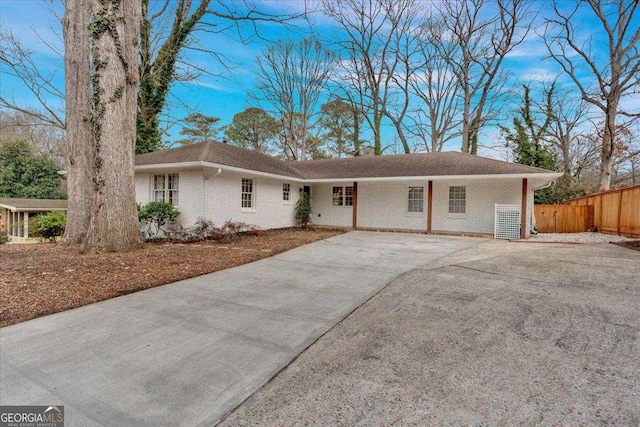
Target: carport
[(15, 213)]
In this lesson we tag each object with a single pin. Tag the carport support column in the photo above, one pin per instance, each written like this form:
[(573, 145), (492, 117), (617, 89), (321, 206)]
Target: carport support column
[(26, 224), (354, 219), (429, 205), (523, 210)]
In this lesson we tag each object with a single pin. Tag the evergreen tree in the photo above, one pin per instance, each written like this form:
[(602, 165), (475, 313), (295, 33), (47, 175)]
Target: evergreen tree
[(26, 174), (527, 138), (199, 128), (340, 123), (253, 129)]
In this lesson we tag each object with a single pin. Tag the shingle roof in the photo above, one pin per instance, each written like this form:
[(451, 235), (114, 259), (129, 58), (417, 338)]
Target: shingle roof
[(409, 165), (223, 154), (33, 204), (418, 164)]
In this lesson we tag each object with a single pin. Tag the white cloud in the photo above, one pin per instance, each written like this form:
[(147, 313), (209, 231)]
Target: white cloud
[(541, 75), (213, 85), (630, 103)]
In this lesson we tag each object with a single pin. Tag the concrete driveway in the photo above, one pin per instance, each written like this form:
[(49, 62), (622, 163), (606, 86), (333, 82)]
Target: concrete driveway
[(187, 353)]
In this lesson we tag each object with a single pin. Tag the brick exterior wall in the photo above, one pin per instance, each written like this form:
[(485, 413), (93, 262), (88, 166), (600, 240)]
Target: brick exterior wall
[(4, 220), (384, 206), (217, 197), (323, 213)]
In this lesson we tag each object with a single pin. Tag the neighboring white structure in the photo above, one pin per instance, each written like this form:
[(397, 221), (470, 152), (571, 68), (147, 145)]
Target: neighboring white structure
[(15, 214), (431, 192)]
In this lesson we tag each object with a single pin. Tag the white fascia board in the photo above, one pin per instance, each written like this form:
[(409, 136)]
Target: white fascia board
[(547, 177), (208, 165), (16, 209)]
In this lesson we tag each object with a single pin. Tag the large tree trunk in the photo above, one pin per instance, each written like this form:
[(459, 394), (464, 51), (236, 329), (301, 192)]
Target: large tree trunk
[(608, 144), (356, 132), (78, 143), (466, 115), (114, 220), (377, 137), (566, 156)]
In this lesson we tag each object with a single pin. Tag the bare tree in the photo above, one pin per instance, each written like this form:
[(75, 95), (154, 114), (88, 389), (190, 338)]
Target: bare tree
[(436, 117), (405, 17), (164, 43), (626, 155), (78, 151), (481, 46), (169, 30), (376, 40), (613, 78), (101, 49), (566, 133), (18, 62), (42, 137), (290, 77), (114, 35)]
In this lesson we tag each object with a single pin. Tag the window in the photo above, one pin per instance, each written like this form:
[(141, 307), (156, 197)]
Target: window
[(286, 192), (338, 196), (348, 196), (342, 196), (458, 199), (416, 200), (247, 193), (166, 188)]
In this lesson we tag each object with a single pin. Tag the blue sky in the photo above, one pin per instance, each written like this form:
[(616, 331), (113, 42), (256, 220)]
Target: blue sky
[(225, 94)]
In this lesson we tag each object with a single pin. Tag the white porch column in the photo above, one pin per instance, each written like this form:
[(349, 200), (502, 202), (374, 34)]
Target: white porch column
[(26, 224)]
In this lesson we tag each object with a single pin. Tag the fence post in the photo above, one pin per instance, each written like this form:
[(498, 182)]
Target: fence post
[(523, 210), (601, 208), (619, 210)]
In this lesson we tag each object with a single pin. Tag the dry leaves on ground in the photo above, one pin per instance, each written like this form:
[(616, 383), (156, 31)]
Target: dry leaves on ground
[(41, 279)]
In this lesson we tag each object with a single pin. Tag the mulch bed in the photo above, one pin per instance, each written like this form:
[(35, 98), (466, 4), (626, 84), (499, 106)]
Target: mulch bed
[(41, 279)]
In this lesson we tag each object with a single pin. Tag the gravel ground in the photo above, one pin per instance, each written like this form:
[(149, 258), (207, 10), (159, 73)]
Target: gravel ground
[(578, 238), (529, 335)]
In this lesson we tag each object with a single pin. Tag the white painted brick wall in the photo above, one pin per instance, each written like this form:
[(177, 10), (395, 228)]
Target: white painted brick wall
[(190, 195), (270, 211), (142, 181), (386, 206), (323, 213), (217, 197), (481, 199)]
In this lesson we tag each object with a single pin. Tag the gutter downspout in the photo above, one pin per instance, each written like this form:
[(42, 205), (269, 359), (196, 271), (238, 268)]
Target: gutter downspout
[(533, 213)]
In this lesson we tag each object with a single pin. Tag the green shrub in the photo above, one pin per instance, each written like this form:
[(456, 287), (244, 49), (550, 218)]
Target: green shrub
[(303, 211), (156, 215), (4, 237), (50, 225), (34, 229)]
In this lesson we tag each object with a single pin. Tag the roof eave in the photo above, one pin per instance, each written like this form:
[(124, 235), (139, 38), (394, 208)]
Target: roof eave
[(26, 209), (208, 165), (547, 177)]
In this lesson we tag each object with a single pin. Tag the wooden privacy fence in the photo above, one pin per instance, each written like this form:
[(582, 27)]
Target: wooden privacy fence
[(563, 218), (611, 212)]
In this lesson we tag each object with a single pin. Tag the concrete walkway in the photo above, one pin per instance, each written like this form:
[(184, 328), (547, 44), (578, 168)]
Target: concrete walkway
[(187, 353)]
